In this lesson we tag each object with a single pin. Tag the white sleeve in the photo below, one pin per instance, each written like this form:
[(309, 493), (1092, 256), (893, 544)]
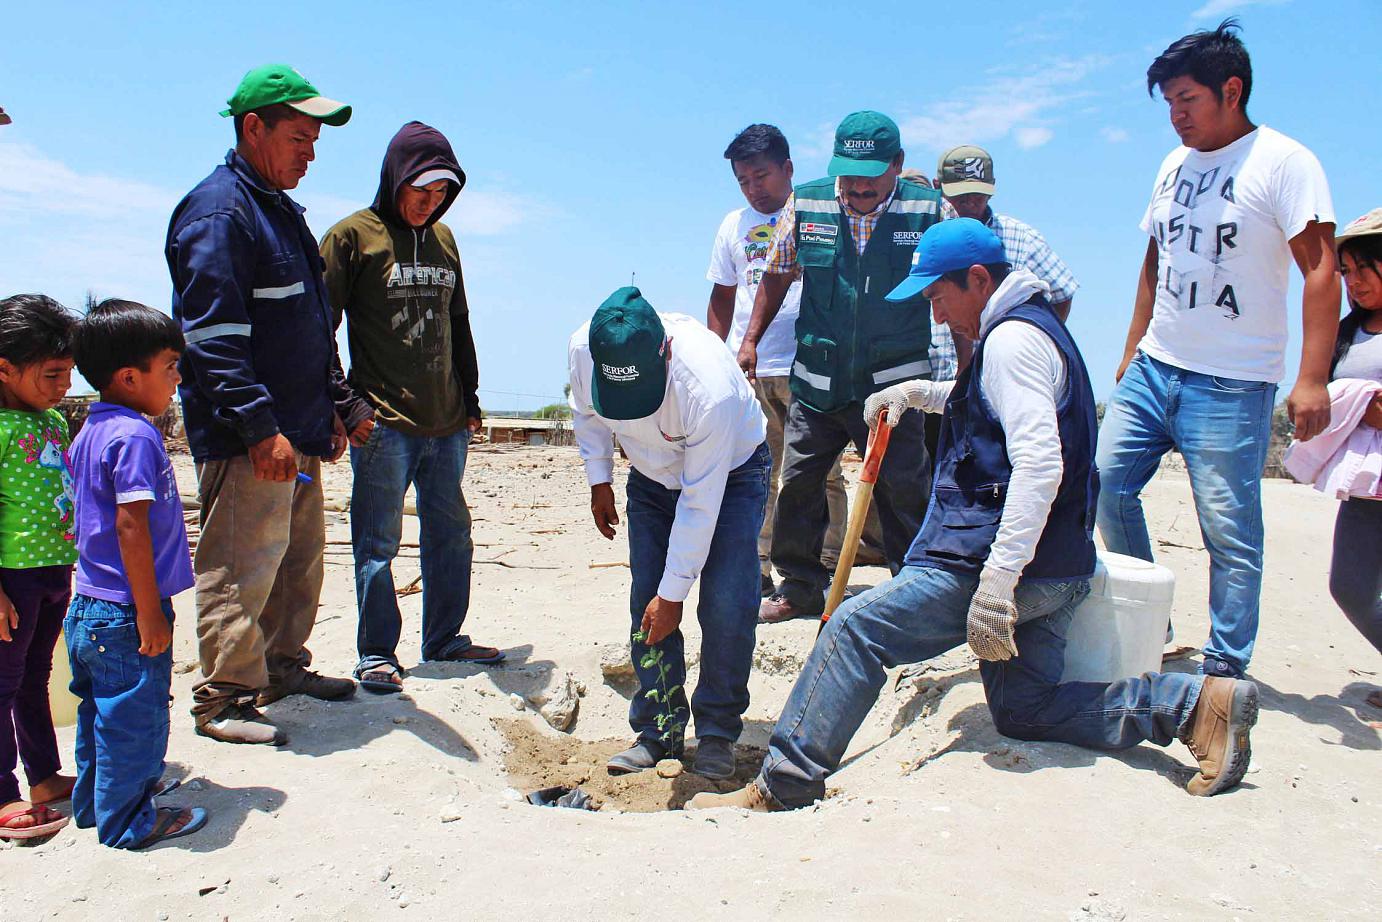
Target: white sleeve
[(937, 394), (1023, 378), (594, 439), (705, 471), (722, 270), (1301, 193)]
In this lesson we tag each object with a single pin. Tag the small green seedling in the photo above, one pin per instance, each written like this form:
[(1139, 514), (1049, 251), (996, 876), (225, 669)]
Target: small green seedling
[(671, 721)]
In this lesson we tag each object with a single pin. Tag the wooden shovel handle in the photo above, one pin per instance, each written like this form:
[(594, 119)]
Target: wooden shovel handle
[(876, 448), (858, 514)]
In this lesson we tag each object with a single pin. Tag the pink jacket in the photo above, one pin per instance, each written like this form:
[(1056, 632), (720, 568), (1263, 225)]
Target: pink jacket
[(1345, 459)]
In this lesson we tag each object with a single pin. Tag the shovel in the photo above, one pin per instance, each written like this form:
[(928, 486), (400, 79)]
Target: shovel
[(858, 514)]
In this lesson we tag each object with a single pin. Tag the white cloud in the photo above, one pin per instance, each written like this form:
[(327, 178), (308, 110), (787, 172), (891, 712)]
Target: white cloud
[(29, 180), (1114, 135), (1033, 136), (1020, 105), (67, 232), (491, 213), (1215, 9)]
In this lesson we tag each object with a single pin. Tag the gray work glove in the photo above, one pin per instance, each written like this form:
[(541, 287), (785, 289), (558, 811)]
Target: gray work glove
[(897, 399), (992, 621)]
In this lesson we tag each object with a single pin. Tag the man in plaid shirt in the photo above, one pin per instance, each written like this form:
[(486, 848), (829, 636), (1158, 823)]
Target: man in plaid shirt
[(965, 178)]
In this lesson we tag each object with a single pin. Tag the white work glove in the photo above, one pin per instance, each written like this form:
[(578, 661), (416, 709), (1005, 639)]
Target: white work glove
[(993, 616), (897, 399)]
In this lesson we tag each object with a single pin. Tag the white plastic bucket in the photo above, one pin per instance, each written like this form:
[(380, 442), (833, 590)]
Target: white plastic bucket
[(60, 700), (1120, 630)]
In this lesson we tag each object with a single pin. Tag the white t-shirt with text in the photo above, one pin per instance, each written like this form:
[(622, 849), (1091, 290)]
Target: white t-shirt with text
[(1223, 221), (737, 259)]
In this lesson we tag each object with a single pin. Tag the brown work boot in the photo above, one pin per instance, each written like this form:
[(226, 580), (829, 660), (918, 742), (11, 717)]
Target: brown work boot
[(242, 723), (749, 797), (306, 682), (776, 608), (1217, 734)]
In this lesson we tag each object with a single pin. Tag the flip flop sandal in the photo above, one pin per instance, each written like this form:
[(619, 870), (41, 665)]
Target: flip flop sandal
[(167, 787), (38, 812), (380, 679), (166, 817), (498, 656)]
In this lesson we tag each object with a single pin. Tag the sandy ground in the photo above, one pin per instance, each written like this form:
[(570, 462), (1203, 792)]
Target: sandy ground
[(407, 807)]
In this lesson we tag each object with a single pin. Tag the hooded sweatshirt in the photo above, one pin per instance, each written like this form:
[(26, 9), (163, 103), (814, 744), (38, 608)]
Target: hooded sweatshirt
[(411, 351)]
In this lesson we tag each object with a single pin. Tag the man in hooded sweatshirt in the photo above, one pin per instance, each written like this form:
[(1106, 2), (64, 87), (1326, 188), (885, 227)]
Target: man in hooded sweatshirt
[(395, 271)]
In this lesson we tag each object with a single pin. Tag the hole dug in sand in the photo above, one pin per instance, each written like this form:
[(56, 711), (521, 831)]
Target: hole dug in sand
[(539, 760)]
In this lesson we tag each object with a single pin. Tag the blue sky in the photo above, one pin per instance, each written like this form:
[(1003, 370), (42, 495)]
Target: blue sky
[(592, 134)]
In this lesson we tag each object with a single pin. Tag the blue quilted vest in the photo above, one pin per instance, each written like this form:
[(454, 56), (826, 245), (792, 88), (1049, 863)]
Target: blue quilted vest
[(972, 471)]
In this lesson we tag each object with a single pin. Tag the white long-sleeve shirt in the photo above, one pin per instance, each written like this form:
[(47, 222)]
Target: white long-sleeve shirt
[(1023, 380), (709, 423)]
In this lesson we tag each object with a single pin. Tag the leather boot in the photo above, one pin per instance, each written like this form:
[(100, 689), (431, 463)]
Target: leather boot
[(1217, 734)]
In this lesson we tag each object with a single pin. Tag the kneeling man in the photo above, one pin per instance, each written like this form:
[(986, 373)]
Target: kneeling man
[(692, 428), (1003, 556)]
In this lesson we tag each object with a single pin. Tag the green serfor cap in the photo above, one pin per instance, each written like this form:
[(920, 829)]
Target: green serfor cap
[(865, 143), (628, 344), (279, 83)]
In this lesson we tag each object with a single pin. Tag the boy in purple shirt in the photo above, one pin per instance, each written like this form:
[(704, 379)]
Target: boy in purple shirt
[(132, 558)]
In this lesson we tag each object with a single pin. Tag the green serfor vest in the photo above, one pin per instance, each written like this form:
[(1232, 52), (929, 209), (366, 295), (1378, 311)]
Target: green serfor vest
[(852, 342)]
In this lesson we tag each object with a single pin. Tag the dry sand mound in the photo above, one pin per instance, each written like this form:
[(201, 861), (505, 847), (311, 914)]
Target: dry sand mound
[(537, 760)]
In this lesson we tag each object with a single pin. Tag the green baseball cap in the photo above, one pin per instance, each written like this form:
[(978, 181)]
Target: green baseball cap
[(966, 169), (865, 144), (628, 344), (279, 83)]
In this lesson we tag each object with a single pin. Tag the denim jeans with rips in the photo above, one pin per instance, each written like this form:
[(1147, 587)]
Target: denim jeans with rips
[(122, 720), (727, 608), (384, 468), (1221, 427), (921, 613)]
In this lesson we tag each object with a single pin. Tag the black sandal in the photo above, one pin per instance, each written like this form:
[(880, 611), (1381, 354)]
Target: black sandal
[(166, 817), (380, 679)]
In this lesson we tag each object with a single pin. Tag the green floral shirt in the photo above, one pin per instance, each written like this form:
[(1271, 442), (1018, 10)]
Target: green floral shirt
[(37, 521)]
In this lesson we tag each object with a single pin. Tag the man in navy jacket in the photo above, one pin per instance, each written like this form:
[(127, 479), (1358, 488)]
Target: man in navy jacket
[(264, 402)]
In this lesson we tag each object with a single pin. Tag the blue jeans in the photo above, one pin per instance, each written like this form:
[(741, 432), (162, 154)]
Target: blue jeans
[(122, 720), (1221, 427), (728, 606), (921, 613), (384, 467)]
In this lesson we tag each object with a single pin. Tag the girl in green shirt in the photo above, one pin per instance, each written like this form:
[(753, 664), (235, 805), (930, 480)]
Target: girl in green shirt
[(37, 551)]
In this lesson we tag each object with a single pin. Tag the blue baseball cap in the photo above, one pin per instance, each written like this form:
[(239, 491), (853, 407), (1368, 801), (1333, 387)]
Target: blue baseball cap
[(955, 244)]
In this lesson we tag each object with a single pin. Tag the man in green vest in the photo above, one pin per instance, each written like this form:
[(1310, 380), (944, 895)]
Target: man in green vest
[(851, 237)]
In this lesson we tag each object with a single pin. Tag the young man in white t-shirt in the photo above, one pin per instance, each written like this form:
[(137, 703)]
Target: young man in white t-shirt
[(762, 164), (1230, 210)]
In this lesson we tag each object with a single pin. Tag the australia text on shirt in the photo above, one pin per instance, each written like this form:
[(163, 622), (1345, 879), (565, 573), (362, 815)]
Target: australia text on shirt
[(1201, 231)]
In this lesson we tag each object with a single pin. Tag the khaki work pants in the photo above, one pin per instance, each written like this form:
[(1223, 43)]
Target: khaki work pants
[(775, 396), (259, 577)]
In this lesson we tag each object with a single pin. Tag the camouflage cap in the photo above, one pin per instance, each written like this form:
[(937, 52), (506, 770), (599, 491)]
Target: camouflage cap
[(965, 169)]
